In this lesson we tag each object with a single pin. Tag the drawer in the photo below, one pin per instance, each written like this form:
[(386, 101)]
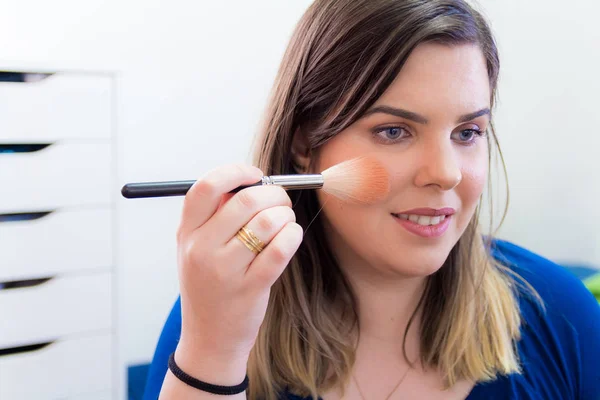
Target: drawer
[(46, 244), (60, 175), (50, 310), (78, 368), (60, 106)]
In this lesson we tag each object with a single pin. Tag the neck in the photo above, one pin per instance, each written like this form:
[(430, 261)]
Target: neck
[(386, 300), (385, 305)]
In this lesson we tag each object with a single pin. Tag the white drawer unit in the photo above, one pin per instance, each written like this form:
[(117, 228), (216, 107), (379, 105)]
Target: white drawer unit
[(72, 368), (55, 242), (51, 309), (65, 174), (49, 107), (57, 272)]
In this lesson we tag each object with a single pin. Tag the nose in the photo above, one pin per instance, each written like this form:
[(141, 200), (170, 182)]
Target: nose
[(439, 167)]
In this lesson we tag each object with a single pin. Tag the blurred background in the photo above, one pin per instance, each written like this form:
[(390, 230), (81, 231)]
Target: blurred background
[(94, 94)]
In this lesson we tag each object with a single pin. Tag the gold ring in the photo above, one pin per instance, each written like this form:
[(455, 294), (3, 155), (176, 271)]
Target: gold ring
[(250, 240)]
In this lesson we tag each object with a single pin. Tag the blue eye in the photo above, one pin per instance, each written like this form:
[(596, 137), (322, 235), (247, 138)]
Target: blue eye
[(468, 136), (391, 134)]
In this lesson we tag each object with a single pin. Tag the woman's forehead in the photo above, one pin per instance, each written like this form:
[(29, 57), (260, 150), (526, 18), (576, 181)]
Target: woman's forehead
[(436, 76)]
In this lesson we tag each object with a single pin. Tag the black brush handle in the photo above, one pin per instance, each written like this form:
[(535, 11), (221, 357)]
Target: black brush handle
[(165, 189), (180, 188)]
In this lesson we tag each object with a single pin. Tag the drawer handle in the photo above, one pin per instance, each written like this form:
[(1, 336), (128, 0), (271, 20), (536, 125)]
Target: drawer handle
[(25, 216), (22, 77), (22, 147), (23, 283), (24, 349)]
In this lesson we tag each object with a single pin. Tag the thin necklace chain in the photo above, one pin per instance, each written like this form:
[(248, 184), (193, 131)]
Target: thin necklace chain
[(362, 396)]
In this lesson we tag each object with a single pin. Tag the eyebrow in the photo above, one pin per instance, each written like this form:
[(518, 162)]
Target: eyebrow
[(398, 112)]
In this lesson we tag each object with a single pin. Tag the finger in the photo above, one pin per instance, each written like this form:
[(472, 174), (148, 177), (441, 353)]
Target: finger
[(265, 225), (225, 198), (204, 197), (242, 207), (271, 262)]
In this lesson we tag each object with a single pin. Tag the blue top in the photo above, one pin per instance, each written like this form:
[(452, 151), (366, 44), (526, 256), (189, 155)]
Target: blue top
[(559, 349)]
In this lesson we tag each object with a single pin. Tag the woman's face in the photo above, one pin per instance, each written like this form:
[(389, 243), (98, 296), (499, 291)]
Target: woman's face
[(429, 130)]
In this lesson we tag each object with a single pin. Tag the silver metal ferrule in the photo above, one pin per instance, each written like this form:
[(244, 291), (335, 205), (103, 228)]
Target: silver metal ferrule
[(300, 181)]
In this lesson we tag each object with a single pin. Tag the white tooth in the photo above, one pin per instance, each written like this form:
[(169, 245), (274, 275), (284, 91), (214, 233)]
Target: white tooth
[(413, 218), (442, 217), (424, 220), (403, 216), (435, 220)]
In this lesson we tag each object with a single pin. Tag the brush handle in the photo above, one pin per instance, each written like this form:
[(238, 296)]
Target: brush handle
[(180, 188)]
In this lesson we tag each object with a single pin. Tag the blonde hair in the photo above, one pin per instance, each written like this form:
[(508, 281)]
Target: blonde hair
[(341, 58)]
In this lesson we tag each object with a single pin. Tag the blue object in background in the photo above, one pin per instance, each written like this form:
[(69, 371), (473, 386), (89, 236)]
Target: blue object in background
[(136, 381)]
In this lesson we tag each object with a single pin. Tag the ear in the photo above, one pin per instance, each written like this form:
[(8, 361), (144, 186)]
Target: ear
[(301, 154)]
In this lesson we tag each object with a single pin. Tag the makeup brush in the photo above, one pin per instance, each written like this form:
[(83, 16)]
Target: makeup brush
[(360, 180)]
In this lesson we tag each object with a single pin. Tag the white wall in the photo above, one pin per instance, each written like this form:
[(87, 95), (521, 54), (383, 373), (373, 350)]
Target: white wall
[(548, 123), (194, 77)]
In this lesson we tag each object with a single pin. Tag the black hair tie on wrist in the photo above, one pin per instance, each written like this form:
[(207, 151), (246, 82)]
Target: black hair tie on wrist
[(205, 387)]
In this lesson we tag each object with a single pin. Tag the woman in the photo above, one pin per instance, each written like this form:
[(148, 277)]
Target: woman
[(366, 303)]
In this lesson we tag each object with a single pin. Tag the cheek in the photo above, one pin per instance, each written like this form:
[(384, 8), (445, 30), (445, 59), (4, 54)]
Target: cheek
[(474, 179), (341, 147), (344, 146), (331, 153), (402, 170)]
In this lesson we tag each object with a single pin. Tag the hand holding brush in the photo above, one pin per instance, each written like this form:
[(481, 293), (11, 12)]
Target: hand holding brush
[(232, 245)]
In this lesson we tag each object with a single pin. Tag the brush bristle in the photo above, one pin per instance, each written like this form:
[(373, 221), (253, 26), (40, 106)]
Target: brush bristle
[(359, 180)]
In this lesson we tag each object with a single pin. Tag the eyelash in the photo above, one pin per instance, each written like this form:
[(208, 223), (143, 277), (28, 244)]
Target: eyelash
[(376, 133)]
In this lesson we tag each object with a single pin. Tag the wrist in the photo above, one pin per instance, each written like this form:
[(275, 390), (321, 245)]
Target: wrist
[(211, 366)]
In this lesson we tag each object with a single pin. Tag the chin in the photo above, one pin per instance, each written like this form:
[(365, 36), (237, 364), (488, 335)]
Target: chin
[(405, 261), (419, 265), (416, 258)]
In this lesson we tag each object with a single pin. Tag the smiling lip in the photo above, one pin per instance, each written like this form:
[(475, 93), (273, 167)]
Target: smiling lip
[(426, 231), (431, 212)]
